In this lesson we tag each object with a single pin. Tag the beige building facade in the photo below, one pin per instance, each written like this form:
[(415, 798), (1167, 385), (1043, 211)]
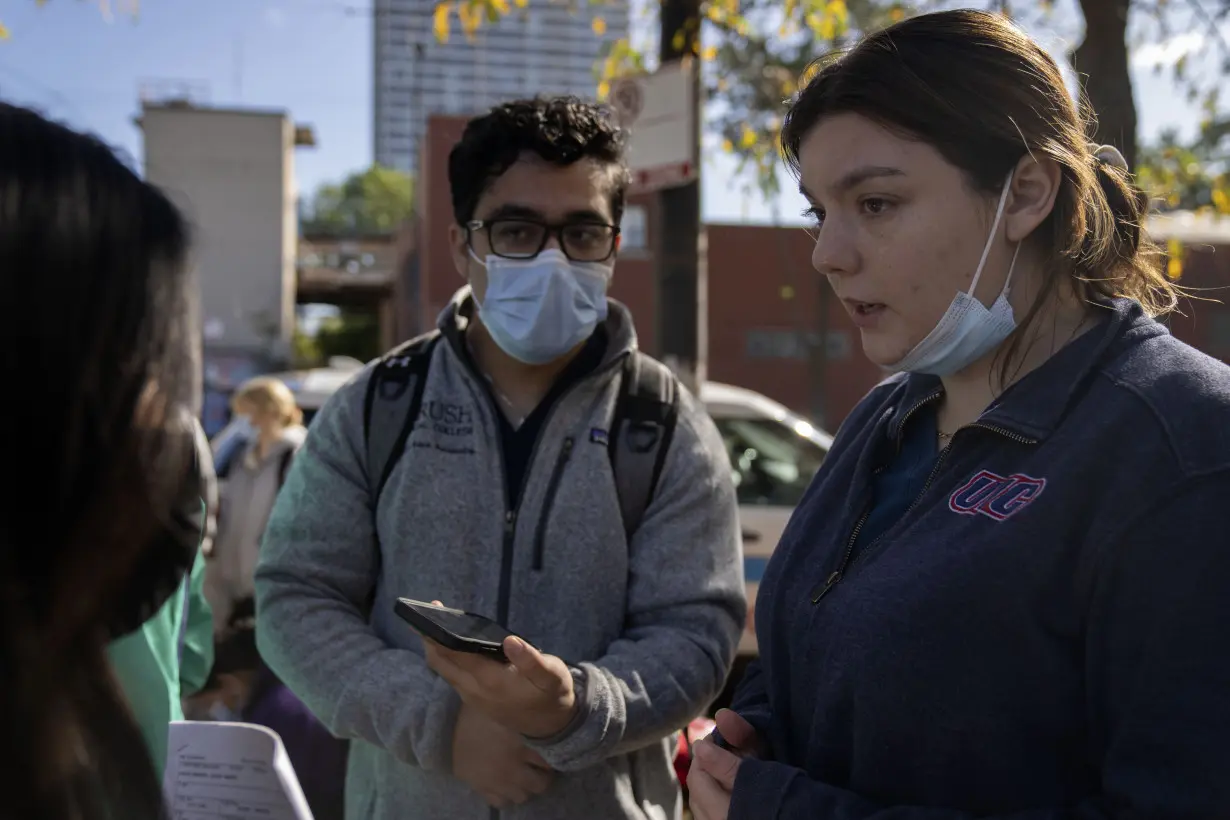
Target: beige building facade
[(233, 173)]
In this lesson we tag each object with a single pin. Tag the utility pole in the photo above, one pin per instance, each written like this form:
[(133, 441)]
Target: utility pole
[(681, 293)]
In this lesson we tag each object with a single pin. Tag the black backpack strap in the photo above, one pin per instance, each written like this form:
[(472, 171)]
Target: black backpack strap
[(391, 406), (225, 470), (641, 432), (284, 465)]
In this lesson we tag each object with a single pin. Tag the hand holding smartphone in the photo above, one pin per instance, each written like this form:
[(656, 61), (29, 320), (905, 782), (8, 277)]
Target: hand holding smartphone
[(454, 629)]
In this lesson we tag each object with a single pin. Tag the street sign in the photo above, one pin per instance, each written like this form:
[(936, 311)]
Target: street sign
[(658, 111)]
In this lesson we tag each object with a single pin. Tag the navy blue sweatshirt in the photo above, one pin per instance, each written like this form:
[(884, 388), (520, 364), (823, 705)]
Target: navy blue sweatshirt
[(1044, 633)]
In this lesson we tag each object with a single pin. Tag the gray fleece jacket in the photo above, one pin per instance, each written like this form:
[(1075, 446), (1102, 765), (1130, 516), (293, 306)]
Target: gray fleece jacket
[(650, 623)]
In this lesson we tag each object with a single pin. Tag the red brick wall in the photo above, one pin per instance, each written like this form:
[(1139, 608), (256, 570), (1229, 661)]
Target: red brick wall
[(438, 279), (761, 282), (1206, 323), (761, 286)]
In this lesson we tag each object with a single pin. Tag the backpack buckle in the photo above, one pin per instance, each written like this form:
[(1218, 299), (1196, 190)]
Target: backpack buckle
[(393, 383), (643, 436)]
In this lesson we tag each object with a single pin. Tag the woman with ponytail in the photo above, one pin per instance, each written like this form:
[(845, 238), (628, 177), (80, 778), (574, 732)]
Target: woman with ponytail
[(101, 516), (1006, 594)]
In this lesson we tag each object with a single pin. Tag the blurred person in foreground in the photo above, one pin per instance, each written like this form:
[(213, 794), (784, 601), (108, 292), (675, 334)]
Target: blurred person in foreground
[(1006, 593), (243, 688), (169, 658), (105, 520), (502, 499), (272, 423)]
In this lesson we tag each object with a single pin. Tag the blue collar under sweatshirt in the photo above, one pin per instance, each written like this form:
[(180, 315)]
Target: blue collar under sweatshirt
[(1042, 634)]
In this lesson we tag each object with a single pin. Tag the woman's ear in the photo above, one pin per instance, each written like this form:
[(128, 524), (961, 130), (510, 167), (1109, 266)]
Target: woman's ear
[(1035, 185)]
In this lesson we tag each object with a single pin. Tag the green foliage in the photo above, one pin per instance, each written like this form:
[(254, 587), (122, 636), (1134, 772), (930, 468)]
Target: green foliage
[(354, 333), (374, 201), (1194, 176), (304, 351)]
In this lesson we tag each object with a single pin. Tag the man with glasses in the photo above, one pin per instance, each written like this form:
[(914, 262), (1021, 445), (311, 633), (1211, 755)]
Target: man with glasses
[(506, 496)]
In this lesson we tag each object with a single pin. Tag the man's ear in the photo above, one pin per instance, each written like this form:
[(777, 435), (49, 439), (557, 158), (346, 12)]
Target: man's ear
[(457, 242)]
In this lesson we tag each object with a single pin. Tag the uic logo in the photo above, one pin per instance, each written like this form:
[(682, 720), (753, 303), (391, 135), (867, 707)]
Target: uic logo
[(996, 496)]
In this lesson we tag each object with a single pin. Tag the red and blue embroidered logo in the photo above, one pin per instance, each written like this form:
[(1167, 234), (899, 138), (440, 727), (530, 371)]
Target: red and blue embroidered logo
[(996, 496)]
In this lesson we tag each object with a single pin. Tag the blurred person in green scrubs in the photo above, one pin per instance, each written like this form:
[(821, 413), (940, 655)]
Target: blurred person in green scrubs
[(169, 658)]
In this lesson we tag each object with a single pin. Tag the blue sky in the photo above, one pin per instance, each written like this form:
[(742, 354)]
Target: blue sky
[(313, 58)]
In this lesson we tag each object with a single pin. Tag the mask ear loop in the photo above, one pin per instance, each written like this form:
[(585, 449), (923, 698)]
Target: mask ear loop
[(474, 256), (986, 249), (1008, 281)]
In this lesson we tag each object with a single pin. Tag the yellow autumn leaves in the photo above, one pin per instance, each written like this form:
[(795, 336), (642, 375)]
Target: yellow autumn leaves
[(1221, 200), (826, 19), (1174, 260), (129, 7), (470, 15), (747, 140)]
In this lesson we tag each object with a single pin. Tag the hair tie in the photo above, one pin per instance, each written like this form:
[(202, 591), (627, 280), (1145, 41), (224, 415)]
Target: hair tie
[(1110, 155)]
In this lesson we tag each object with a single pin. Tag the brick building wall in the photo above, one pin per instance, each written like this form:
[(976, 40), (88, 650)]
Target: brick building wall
[(765, 301), (1203, 319)]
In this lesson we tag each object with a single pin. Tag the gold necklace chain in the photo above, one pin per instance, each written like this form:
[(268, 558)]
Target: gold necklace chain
[(514, 416)]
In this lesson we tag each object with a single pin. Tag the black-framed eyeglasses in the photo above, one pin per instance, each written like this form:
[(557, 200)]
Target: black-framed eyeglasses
[(525, 238)]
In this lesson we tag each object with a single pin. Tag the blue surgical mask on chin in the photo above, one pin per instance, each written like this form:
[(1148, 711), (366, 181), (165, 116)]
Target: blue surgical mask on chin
[(245, 427), (538, 309), (968, 330)]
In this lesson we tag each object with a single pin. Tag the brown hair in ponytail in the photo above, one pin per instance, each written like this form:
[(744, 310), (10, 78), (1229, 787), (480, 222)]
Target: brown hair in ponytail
[(1118, 259), (983, 93)]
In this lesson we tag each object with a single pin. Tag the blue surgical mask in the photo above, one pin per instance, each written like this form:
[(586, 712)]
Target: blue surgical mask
[(538, 309), (968, 330), (244, 427)]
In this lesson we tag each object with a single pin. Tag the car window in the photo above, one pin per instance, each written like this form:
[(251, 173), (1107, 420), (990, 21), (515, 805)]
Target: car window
[(771, 463)]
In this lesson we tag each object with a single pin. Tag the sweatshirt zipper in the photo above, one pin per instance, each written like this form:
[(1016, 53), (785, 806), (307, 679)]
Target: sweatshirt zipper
[(512, 507), (540, 532), (834, 577), (846, 565)]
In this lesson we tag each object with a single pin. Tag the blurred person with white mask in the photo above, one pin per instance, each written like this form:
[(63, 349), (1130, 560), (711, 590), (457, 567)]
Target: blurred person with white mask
[(272, 424)]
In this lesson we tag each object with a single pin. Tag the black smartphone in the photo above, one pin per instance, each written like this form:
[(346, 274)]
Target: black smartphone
[(454, 629)]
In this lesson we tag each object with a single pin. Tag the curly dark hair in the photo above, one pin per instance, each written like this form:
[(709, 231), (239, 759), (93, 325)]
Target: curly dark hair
[(561, 130)]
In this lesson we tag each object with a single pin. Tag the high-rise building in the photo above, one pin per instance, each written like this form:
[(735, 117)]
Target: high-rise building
[(548, 47)]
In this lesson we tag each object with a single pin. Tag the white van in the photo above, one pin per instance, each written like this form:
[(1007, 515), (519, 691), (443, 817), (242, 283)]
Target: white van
[(773, 456)]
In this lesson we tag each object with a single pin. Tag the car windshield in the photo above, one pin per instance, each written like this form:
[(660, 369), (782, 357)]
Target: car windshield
[(772, 464)]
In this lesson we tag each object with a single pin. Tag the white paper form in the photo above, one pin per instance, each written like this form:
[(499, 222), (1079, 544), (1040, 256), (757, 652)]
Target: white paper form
[(230, 771)]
